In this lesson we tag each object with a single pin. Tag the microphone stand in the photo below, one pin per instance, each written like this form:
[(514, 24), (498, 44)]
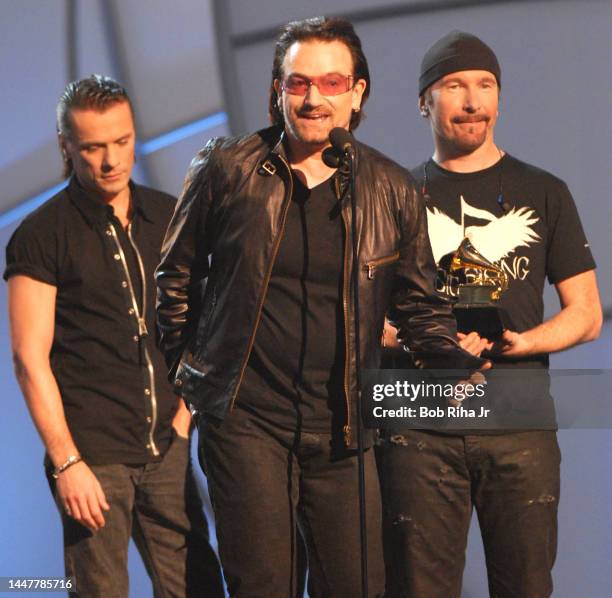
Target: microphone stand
[(342, 156), (349, 154)]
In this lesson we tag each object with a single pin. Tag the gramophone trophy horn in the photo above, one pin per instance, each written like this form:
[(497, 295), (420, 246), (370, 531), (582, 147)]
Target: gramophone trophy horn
[(476, 308)]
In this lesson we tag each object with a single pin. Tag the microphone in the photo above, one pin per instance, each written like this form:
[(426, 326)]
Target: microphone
[(342, 147), (341, 140), (331, 157)]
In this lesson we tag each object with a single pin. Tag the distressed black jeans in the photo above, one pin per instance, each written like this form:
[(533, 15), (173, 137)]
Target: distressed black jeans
[(430, 484), (267, 484), (159, 506)]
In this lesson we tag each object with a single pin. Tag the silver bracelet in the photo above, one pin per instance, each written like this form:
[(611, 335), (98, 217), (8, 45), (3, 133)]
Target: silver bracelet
[(64, 466)]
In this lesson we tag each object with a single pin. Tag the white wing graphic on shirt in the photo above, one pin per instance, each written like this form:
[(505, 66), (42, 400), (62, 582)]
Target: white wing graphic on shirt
[(445, 234), (495, 240), (502, 236)]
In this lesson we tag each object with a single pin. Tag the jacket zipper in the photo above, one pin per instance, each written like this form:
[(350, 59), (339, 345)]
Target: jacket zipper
[(266, 282), (142, 327), (345, 291), (371, 266)]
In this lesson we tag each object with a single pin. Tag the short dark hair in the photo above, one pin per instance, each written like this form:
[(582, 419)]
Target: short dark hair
[(96, 92), (326, 29)]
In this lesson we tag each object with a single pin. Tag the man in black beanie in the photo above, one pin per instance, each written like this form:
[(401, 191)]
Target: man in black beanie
[(524, 221)]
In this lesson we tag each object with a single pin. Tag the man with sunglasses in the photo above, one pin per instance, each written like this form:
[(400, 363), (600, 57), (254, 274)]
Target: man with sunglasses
[(257, 319)]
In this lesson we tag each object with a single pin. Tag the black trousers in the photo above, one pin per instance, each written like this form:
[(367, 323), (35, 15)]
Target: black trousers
[(268, 484), (159, 506), (430, 484)]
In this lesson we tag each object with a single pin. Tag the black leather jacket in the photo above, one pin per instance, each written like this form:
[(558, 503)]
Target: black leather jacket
[(221, 245)]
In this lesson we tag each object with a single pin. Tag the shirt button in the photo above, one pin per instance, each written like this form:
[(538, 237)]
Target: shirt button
[(117, 256), (135, 338), (148, 420), (147, 391), (124, 283), (131, 311)]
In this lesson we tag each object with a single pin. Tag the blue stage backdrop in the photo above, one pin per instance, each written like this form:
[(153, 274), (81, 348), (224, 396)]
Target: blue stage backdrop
[(197, 68)]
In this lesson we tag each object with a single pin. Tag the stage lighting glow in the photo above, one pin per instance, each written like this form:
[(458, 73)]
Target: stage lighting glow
[(142, 149), (29, 205), (164, 140)]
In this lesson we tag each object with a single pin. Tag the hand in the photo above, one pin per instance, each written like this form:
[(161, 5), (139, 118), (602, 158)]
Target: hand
[(476, 378), (389, 337), (182, 420), (473, 343), (82, 496), (513, 344)]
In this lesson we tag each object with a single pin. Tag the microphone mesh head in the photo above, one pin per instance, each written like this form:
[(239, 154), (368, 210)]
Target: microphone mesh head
[(340, 138), (331, 158)]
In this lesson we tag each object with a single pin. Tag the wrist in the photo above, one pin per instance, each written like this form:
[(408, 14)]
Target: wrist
[(529, 343), (72, 460)]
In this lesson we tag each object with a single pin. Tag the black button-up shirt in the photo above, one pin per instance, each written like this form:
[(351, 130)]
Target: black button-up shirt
[(112, 379)]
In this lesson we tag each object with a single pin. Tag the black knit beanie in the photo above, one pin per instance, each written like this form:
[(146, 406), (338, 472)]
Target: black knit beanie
[(457, 51)]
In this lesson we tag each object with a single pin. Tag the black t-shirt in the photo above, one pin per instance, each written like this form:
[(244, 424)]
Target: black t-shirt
[(294, 374), (98, 356), (538, 235), (524, 220)]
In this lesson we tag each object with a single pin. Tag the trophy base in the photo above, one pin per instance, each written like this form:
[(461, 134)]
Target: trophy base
[(488, 320)]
